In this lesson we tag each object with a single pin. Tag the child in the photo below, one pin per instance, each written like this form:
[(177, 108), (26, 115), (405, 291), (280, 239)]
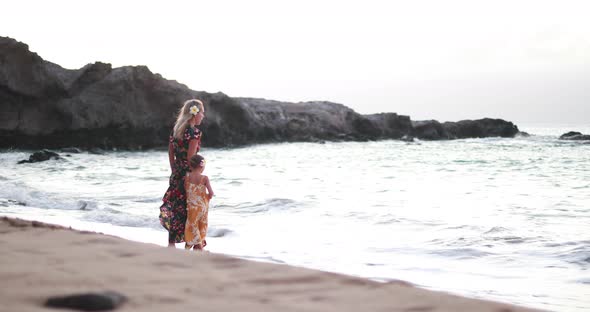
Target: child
[(198, 195)]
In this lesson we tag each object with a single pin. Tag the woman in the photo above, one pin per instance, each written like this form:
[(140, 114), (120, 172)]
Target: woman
[(184, 142)]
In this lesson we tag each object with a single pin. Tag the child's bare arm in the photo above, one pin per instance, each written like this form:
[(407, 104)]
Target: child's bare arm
[(209, 189)]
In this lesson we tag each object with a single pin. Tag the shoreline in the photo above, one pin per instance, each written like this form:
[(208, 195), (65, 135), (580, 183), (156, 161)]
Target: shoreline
[(40, 260)]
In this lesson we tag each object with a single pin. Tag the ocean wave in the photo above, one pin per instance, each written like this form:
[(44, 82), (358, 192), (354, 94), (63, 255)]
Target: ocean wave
[(583, 281), (579, 255), (272, 204), (26, 196), (570, 243), (9, 202), (498, 234), (496, 229), (511, 239), (123, 219), (149, 200), (461, 253), (261, 258), (385, 221)]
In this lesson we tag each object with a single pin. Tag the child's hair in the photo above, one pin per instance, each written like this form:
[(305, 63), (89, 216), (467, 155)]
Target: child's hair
[(197, 161)]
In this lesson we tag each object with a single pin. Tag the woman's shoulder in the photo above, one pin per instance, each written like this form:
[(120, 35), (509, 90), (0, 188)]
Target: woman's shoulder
[(194, 130)]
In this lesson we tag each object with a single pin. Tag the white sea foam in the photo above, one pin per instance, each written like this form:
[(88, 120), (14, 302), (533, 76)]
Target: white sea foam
[(20, 194)]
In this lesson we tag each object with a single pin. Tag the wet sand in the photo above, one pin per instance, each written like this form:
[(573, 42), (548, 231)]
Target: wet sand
[(39, 260)]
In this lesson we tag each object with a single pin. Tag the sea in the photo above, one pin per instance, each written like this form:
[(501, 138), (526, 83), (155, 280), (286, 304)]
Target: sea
[(503, 219)]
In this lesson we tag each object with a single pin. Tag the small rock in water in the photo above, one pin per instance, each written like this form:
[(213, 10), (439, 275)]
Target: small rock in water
[(14, 202), (407, 138), (41, 156), (73, 150), (569, 134), (96, 151), (102, 301), (218, 232), (83, 205), (575, 136)]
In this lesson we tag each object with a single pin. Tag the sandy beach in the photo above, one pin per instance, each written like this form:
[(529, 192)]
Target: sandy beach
[(39, 260)]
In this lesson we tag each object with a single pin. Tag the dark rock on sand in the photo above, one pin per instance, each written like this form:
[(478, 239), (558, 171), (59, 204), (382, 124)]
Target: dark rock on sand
[(102, 301), (43, 105), (41, 156), (574, 136)]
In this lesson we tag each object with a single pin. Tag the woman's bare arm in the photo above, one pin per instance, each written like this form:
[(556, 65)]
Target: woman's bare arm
[(193, 145)]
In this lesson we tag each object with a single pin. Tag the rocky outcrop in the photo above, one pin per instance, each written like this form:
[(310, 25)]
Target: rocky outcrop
[(43, 105), (574, 136), (41, 156), (429, 130), (481, 128)]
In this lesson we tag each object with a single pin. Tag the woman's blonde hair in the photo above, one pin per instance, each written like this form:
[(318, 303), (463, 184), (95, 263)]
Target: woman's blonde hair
[(184, 115)]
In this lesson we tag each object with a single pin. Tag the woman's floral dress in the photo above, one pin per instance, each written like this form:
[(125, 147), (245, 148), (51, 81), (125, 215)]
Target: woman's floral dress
[(198, 211), (173, 210)]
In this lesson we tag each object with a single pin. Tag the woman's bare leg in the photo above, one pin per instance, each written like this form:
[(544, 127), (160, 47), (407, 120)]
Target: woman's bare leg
[(171, 243)]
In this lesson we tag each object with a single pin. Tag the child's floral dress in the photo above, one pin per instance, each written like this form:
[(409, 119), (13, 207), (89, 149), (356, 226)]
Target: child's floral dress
[(197, 213)]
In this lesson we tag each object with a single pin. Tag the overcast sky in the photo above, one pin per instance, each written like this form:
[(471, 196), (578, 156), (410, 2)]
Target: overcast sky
[(524, 61)]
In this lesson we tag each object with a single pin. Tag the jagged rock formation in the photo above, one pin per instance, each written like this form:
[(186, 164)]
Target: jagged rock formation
[(43, 105)]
